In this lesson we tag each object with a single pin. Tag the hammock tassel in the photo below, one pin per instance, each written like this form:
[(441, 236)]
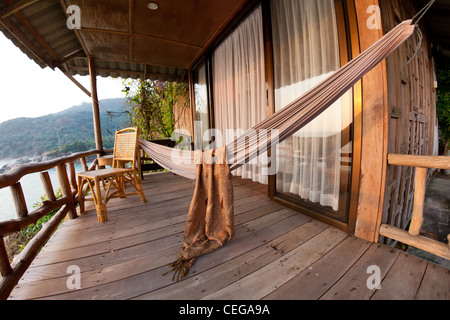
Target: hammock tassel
[(180, 268)]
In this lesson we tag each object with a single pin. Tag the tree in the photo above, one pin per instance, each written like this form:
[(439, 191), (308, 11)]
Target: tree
[(152, 106)]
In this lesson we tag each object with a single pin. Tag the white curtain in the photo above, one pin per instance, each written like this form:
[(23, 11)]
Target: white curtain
[(239, 86), (306, 51)]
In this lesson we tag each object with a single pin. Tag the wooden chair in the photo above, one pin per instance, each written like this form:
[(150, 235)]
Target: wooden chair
[(125, 170)]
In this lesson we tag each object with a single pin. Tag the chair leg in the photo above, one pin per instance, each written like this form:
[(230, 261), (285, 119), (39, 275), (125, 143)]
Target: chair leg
[(139, 187), (100, 205), (80, 195)]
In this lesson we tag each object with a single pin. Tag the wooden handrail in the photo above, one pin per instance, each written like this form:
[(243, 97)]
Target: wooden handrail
[(11, 273), (16, 174), (412, 236), (432, 162)]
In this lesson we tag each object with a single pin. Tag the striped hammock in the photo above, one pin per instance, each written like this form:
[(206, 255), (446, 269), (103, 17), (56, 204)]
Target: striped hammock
[(291, 118), (210, 220)]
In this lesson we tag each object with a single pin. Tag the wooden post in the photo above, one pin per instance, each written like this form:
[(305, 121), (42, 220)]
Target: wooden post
[(47, 184), (95, 105), (19, 200), (420, 182), (83, 164), (73, 177), (65, 188), (5, 267)]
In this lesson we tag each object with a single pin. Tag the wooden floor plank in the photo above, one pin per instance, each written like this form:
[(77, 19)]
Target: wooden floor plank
[(435, 284), (406, 273), (353, 284), (130, 287), (313, 282), (282, 270), (276, 253), (200, 284)]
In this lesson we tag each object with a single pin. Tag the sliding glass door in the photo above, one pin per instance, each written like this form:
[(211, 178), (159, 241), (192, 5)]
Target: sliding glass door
[(315, 163)]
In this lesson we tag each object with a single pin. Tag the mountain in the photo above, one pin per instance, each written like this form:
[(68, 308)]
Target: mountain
[(64, 132)]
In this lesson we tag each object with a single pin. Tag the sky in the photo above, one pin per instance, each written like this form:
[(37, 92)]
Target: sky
[(26, 90)]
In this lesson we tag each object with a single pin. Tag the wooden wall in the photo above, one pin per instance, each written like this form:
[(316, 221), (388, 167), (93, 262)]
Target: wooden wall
[(411, 111)]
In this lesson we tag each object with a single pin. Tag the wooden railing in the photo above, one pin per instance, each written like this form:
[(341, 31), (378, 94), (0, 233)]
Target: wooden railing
[(11, 273), (412, 237)]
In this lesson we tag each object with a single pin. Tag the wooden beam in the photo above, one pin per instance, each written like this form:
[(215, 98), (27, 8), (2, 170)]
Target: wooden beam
[(79, 85), (130, 29), (95, 105), (147, 36), (71, 78), (144, 74), (435, 247), (15, 7), (374, 134), (419, 161), (29, 27), (22, 38), (73, 55)]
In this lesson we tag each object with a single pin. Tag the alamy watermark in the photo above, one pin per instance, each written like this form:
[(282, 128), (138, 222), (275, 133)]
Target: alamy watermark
[(374, 21), (74, 280), (74, 19), (374, 280)]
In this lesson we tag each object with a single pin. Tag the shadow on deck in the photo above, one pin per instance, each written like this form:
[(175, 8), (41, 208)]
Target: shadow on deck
[(276, 253)]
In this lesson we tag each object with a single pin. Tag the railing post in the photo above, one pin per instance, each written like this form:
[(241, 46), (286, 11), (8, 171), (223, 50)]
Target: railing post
[(420, 182), (66, 189), (19, 200), (83, 164), (47, 184), (73, 177), (5, 267)]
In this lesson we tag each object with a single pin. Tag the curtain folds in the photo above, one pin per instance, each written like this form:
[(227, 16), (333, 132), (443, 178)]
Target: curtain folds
[(239, 86), (306, 52)]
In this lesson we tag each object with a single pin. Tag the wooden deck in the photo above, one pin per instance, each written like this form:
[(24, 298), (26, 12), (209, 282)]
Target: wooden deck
[(276, 253)]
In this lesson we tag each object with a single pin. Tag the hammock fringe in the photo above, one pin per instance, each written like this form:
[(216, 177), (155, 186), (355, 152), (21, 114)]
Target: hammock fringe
[(180, 268)]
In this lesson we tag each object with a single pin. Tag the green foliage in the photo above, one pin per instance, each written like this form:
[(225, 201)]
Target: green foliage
[(152, 106), (443, 106)]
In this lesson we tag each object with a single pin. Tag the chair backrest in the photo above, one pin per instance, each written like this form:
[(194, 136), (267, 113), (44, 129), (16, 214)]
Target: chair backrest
[(126, 147)]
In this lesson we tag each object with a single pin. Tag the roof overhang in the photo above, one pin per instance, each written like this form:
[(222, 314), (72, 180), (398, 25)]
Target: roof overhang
[(128, 39)]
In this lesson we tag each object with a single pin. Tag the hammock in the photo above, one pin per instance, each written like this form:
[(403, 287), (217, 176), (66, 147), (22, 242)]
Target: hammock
[(210, 218), (291, 118)]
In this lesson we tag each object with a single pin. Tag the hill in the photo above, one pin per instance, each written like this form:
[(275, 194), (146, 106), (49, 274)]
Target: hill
[(71, 130)]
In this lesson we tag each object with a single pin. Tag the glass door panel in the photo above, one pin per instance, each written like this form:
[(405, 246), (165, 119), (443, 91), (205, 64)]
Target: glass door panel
[(315, 163)]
